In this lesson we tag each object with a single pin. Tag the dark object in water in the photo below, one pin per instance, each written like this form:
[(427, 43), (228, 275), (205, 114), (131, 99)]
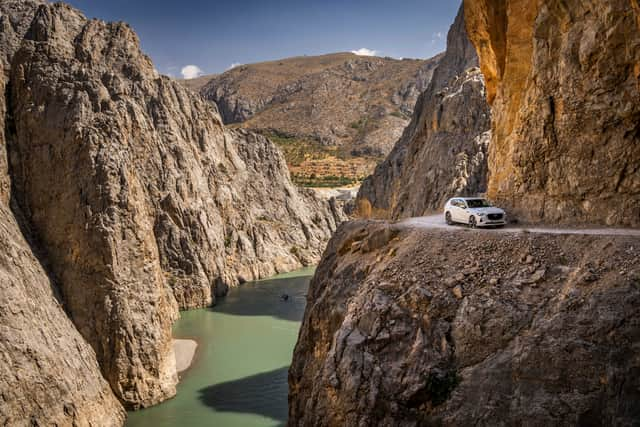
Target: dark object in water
[(284, 297)]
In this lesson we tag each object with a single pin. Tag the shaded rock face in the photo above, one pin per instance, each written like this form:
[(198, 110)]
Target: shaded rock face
[(443, 152), (361, 104), (48, 373), (15, 18), (140, 201), (400, 330), (563, 79)]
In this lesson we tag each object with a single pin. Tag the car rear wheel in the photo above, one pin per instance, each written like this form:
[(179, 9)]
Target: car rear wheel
[(447, 218), (472, 222)]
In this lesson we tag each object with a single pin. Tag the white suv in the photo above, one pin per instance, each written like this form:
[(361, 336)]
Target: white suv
[(473, 211)]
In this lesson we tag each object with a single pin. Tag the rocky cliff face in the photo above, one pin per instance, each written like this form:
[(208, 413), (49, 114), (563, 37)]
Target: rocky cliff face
[(401, 330), (138, 198), (564, 81), (442, 152), (49, 374), (360, 103)]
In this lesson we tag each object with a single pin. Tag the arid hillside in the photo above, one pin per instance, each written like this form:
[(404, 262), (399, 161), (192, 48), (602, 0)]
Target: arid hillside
[(328, 109), (197, 83)]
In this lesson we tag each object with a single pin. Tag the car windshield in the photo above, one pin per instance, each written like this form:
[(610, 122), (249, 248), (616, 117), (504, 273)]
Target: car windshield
[(478, 203)]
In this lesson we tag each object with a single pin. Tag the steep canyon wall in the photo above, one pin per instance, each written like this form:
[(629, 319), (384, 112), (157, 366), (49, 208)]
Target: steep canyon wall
[(564, 82)]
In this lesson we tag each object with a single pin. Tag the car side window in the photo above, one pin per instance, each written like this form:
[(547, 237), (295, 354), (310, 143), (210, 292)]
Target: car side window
[(454, 203), (462, 204)]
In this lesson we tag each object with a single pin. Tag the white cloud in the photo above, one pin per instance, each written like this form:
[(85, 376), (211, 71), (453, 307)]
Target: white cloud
[(191, 72), (234, 65), (365, 52), (437, 36)]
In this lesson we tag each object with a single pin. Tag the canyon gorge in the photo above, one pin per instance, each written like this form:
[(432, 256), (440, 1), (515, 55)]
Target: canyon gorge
[(127, 196), (124, 199)]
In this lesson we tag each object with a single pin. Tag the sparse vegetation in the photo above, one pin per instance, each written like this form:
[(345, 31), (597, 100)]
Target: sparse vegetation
[(399, 114), (295, 251), (314, 165), (439, 387), (329, 181), (360, 125), (296, 150)]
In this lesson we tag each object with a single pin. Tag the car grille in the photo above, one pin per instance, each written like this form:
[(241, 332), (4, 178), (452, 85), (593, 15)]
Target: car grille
[(494, 217)]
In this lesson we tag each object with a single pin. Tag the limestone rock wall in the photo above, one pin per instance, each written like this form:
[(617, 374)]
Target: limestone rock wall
[(15, 19), (49, 375), (401, 330), (443, 152), (140, 201), (563, 78), (48, 372)]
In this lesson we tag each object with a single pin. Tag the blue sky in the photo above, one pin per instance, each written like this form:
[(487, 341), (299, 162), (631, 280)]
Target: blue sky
[(213, 35)]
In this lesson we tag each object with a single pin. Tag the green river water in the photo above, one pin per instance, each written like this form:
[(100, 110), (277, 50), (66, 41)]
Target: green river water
[(239, 374)]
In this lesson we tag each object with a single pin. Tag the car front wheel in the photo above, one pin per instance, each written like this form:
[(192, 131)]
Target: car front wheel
[(447, 218), (472, 222)]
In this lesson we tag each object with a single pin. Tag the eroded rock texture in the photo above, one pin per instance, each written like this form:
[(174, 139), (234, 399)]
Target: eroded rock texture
[(564, 81), (442, 152), (15, 19), (139, 199), (402, 330), (48, 373)]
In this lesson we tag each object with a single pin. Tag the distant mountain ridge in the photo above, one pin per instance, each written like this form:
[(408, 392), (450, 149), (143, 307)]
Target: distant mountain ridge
[(333, 108)]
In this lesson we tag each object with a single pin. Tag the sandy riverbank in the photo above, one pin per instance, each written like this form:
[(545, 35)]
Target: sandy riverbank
[(185, 351)]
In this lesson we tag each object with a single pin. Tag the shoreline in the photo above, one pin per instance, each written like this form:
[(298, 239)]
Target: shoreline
[(185, 351)]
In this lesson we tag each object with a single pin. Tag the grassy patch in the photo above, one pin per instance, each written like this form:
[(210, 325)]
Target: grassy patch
[(360, 125), (296, 150), (399, 114), (329, 181)]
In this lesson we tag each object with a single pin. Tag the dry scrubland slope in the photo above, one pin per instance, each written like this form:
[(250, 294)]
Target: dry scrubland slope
[(328, 108), (124, 198)]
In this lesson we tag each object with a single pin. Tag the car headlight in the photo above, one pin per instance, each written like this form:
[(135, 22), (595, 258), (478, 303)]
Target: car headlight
[(482, 214)]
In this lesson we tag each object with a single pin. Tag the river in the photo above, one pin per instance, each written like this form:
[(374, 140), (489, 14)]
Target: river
[(239, 374)]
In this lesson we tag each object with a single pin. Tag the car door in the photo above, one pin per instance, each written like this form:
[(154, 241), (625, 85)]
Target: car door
[(456, 210), (462, 214)]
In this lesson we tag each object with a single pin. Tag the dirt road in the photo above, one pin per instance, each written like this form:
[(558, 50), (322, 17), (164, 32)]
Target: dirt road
[(437, 221)]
